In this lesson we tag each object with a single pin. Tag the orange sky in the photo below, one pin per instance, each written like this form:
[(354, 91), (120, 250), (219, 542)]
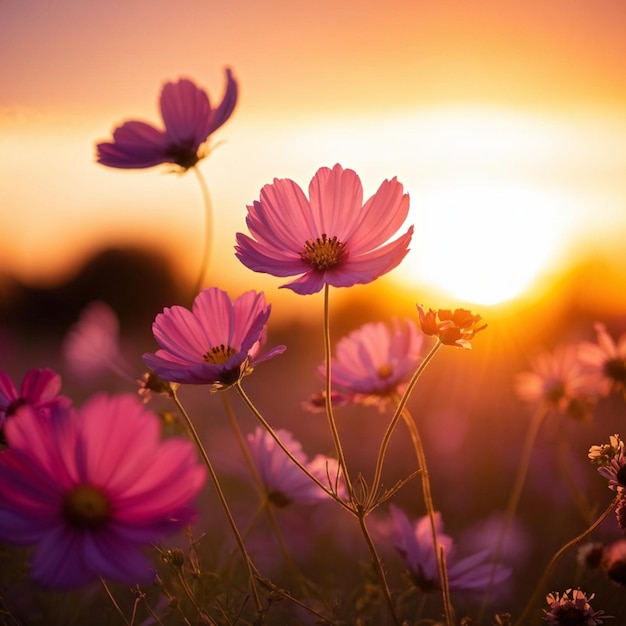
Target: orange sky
[(427, 91)]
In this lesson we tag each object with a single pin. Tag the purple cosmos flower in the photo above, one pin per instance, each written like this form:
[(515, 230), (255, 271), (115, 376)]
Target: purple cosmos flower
[(566, 610), (39, 390), (414, 542), (375, 362), (216, 343), (605, 361), (92, 488), (283, 481), (558, 380), (331, 239), (189, 119)]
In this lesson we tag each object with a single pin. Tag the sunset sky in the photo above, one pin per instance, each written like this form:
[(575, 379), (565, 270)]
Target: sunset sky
[(505, 121)]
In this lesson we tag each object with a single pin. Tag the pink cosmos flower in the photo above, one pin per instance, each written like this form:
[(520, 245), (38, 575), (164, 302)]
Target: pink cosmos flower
[(332, 238), (216, 343), (605, 361), (189, 119), (39, 390), (92, 343), (569, 609), (414, 542), (558, 380), (375, 362), (92, 488), (283, 481)]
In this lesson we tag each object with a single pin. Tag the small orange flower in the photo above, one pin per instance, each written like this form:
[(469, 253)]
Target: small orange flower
[(453, 328)]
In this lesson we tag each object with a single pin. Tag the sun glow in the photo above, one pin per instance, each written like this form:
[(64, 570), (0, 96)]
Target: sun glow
[(484, 242)]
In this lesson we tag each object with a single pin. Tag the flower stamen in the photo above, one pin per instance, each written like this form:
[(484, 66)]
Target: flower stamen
[(86, 508), (219, 354), (323, 253)]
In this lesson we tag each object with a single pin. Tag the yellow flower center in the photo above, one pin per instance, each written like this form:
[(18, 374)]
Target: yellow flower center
[(85, 507), (323, 253), (384, 371), (219, 354)]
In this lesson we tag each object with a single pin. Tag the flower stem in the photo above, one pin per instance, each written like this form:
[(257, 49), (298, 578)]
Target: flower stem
[(551, 565), (266, 505), (430, 510), (284, 448), (114, 601), (380, 572), (373, 497), (328, 398), (252, 572), (208, 231), (515, 495)]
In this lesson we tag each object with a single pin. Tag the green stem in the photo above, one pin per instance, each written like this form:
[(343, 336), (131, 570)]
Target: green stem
[(373, 496), (332, 424), (208, 233), (430, 510), (252, 573), (551, 565)]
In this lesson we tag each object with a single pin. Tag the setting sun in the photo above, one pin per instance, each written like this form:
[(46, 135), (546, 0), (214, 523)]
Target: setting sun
[(485, 242)]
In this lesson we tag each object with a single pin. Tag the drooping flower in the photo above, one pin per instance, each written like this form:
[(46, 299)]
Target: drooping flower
[(605, 361), (375, 362), (40, 390), (216, 343), (414, 542), (283, 481), (92, 343), (452, 328), (92, 488), (189, 120), (611, 462), (572, 608), (557, 379), (330, 239)]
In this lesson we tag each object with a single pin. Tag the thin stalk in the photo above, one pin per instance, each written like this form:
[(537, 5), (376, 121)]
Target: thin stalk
[(393, 423), (208, 231), (252, 573), (332, 424), (114, 601), (266, 504), (378, 566), (551, 565), (284, 448), (430, 510), (515, 494)]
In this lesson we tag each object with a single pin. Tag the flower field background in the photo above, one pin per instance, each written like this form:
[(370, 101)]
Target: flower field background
[(344, 341)]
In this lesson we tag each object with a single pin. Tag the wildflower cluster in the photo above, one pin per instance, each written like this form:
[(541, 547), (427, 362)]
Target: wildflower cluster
[(107, 492)]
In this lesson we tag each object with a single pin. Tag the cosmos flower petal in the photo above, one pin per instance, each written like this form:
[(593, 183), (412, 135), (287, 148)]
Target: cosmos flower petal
[(186, 112), (336, 196), (227, 105), (135, 145)]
